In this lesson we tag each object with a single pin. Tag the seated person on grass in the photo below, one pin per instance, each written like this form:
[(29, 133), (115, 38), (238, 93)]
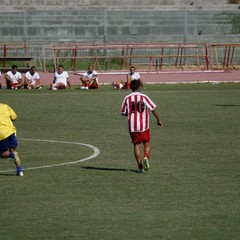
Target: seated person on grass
[(14, 78), (61, 79), (32, 79), (89, 79), (132, 75)]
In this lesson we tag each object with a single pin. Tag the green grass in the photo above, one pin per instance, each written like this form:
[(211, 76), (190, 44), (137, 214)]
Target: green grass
[(191, 190)]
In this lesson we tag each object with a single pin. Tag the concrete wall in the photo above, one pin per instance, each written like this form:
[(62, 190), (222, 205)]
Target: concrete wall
[(123, 26), (9, 5), (92, 21)]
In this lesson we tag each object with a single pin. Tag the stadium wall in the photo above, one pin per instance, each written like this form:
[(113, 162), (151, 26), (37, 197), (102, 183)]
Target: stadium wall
[(117, 5), (42, 23)]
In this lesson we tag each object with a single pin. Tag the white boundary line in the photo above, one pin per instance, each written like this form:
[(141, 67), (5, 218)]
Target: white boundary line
[(95, 154), (154, 72)]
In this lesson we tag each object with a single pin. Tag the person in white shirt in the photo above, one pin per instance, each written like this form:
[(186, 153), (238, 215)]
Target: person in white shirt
[(32, 79), (89, 79), (133, 75), (14, 78), (61, 79)]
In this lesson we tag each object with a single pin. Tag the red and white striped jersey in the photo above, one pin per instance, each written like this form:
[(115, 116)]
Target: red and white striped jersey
[(135, 106)]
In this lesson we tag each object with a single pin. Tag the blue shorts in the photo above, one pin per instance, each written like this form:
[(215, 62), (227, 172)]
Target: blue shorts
[(9, 142)]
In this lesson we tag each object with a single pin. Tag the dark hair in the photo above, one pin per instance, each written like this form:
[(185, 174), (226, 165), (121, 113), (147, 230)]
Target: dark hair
[(32, 67), (14, 66), (135, 84)]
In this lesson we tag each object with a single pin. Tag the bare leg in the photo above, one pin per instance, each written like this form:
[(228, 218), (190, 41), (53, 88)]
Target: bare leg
[(146, 149), (146, 156), (13, 154), (137, 154), (5, 154)]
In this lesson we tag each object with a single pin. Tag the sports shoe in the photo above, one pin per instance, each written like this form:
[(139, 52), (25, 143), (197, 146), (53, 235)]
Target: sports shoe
[(86, 88), (83, 88), (140, 168), (53, 88), (20, 174), (145, 163)]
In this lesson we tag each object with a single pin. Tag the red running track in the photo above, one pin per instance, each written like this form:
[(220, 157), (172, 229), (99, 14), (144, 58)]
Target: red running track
[(170, 77)]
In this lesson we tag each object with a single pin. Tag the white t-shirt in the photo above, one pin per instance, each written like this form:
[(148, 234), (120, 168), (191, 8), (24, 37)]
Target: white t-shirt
[(61, 77), (32, 78), (15, 78), (134, 76), (90, 75)]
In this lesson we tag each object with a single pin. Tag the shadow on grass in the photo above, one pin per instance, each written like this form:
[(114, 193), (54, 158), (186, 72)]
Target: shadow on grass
[(109, 169), (8, 174), (227, 105)]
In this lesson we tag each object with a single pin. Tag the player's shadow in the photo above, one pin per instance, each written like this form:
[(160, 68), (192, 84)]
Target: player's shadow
[(8, 174), (227, 105), (109, 169)]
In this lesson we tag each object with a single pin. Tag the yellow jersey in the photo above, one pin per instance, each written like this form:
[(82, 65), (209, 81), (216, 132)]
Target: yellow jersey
[(7, 115)]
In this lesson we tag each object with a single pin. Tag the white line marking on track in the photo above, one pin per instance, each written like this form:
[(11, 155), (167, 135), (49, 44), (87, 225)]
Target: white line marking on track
[(96, 152)]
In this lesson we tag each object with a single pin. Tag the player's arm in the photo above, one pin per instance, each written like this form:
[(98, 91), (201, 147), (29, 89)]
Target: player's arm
[(128, 76), (7, 77), (84, 78), (128, 81), (38, 81), (125, 113), (156, 115), (94, 77), (55, 78), (26, 80), (20, 82), (124, 109), (69, 83), (13, 115)]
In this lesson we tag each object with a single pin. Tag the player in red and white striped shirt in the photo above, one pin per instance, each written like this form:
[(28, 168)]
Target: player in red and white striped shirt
[(135, 106)]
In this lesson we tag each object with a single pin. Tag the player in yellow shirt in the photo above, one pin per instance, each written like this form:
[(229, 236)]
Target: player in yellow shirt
[(8, 139)]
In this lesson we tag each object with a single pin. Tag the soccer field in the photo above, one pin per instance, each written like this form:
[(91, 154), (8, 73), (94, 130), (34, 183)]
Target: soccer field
[(80, 179)]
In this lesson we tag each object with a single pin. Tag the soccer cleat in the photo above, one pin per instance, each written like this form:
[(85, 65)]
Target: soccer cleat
[(140, 168), (86, 88), (20, 174), (83, 88), (145, 163)]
